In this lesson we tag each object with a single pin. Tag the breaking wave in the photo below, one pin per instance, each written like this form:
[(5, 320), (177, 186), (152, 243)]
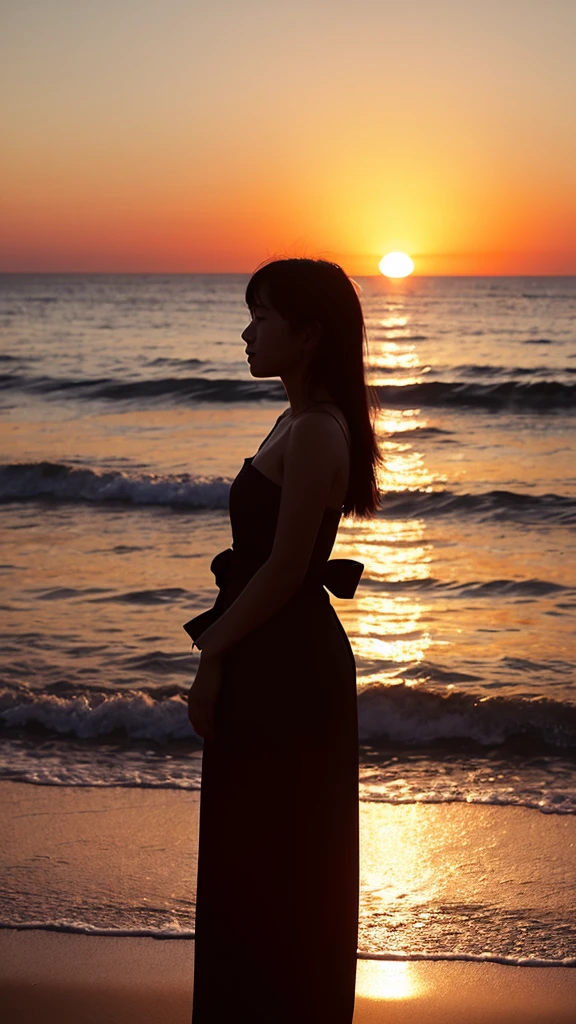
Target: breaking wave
[(28, 481), (61, 482), (398, 713)]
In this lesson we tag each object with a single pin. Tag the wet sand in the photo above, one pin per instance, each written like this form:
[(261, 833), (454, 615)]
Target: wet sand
[(84, 847)]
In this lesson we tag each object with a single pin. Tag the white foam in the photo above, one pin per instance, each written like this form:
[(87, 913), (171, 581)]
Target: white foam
[(175, 932), (79, 928), (413, 717), (138, 715)]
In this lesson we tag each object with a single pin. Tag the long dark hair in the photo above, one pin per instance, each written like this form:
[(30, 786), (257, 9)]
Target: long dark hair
[(307, 291)]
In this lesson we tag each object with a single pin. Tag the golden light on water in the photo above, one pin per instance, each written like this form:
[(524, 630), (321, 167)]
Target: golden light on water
[(390, 632), (391, 355), (390, 869), (386, 359), (389, 625), (388, 628), (386, 979), (396, 264)]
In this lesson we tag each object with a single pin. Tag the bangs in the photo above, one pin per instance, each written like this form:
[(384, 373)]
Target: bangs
[(256, 291)]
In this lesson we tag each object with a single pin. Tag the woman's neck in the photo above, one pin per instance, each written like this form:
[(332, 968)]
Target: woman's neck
[(299, 400)]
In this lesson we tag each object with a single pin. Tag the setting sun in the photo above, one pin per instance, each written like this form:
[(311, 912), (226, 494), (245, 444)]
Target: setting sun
[(396, 264)]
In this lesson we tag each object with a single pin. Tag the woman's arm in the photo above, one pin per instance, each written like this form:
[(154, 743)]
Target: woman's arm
[(315, 450)]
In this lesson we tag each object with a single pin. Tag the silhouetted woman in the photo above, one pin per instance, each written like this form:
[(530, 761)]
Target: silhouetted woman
[(275, 693)]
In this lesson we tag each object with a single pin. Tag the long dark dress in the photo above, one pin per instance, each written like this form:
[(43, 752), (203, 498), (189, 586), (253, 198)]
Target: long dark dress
[(277, 895)]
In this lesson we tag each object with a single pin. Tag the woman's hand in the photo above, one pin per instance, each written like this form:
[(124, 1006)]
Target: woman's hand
[(202, 696)]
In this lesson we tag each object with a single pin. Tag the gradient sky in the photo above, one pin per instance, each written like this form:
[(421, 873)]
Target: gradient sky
[(206, 136)]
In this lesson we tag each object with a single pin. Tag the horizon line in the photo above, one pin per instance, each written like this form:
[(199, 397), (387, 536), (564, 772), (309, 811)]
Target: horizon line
[(247, 273)]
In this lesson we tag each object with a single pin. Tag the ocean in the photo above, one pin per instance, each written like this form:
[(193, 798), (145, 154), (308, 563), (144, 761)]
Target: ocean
[(127, 407)]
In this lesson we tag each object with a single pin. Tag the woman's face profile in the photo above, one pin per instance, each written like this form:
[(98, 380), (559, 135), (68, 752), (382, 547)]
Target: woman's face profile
[(273, 348)]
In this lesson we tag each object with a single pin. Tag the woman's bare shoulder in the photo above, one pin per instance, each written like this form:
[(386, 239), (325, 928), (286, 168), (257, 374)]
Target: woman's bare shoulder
[(330, 414), (318, 436)]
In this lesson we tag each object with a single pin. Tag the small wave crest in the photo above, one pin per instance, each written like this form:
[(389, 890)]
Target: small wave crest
[(174, 389), (494, 505), (506, 396), (173, 361), (543, 396), (60, 482), (27, 481), (490, 372), (489, 589)]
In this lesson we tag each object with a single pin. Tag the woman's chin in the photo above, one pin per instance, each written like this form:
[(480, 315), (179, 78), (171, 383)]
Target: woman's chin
[(262, 372)]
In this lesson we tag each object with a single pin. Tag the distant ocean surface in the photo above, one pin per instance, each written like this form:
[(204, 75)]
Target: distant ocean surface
[(127, 407)]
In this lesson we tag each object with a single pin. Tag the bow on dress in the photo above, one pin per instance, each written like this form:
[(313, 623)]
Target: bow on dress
[(339, 575)]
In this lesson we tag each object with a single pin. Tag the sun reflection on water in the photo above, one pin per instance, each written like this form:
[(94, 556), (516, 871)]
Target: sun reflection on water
[(404, 467), (388, 624), (394, 321), (388, 627), (391, 633), (399, 421), (393, 550), (388, 381), (393, 356), (387, 979), (405, 470)]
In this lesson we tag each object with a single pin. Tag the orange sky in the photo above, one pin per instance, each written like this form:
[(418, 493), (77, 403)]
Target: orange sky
[(186, 136)]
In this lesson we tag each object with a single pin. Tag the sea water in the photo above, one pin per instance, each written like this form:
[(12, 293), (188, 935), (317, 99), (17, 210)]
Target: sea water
[(127, 407)]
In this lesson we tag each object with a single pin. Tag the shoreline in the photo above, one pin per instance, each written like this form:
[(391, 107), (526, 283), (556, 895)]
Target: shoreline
[(484, 882), (361, 955)]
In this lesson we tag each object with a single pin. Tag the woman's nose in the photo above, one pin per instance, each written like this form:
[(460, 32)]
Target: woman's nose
[(247, 333)]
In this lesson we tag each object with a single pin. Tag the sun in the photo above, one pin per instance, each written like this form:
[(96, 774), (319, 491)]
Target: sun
[(396, 264)]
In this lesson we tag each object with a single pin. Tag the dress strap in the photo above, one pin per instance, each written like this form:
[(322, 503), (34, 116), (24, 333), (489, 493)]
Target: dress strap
[(330, 413)]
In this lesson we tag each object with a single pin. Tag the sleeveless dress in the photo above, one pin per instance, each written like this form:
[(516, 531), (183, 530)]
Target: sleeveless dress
[(278, 866)]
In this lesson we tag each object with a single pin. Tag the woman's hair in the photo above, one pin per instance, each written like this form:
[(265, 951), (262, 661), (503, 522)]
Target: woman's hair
[(308, 291)]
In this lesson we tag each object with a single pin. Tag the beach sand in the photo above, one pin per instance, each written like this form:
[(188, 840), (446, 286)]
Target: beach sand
[(65, 847), (64, 979)]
